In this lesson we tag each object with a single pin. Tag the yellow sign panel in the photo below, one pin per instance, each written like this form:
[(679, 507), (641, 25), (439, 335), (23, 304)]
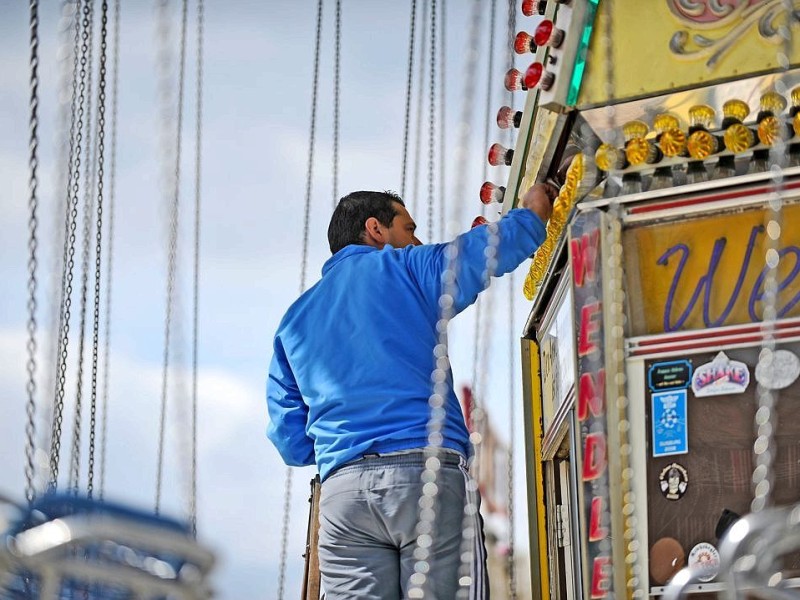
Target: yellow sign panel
[(659, 46), (710, 272)]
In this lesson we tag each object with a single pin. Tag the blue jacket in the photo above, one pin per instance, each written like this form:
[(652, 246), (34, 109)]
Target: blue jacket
[(351, 372)]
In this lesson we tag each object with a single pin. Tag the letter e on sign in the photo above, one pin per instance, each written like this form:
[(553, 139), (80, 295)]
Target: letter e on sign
[(589, 327), (600, 568)]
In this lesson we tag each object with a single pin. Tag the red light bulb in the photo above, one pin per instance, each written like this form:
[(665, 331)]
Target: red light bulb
[(492, 193), (547, 34), (523, 43), (478, 221), (500, 155), (537, 75), (533, 7), (507, 117), (514, 81)]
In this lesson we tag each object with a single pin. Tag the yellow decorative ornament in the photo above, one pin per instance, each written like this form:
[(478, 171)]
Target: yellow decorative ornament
[(701, 115), (609, 158), (739, 138), (555, 227), (772, 102), (701, 144), (736, 109), (769, 130)]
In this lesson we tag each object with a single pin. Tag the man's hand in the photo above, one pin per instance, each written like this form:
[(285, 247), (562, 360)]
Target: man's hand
[(539, 200)]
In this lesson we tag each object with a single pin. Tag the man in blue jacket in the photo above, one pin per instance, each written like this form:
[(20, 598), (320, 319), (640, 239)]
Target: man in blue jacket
[(349, 385)]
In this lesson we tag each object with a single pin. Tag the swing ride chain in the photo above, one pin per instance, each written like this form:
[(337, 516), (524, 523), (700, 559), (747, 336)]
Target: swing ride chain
[(30, 427), (287, 493), (336, 95), (110, 250), (431, 121), (172, 251), (510, 565), (423, 46), (101, 124), (88, 204), (407, 122), (76, 140), (442, 123), (196, 279)]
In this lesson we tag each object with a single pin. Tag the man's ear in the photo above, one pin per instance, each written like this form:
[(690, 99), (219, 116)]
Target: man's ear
[(373, 232)]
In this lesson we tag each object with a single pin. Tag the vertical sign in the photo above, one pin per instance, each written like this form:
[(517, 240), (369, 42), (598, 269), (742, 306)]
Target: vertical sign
[(590, 414)]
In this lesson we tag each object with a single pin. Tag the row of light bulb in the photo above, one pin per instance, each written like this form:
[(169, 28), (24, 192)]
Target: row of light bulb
[(545, 34)]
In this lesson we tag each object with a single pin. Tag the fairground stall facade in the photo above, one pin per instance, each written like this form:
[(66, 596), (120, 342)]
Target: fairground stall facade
[(660, 357)]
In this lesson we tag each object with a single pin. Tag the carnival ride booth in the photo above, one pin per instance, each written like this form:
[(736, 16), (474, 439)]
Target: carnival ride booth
[(661, 358)]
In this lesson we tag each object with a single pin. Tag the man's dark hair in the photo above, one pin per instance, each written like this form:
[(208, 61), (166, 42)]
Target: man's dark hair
[(347, 223)]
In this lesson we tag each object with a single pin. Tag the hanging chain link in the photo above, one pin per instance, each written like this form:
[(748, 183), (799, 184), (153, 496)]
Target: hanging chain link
[(73, 188), (287, 490), (511, 567), (88, 207), (336, 96), (172, 252), (109, 210), (432, 123), (196, 278), (101, 125), (409, 80), (442, 121), (33, 184), (420, 97)]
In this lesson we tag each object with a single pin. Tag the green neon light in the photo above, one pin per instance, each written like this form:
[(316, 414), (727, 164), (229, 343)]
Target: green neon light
[(583, 50)]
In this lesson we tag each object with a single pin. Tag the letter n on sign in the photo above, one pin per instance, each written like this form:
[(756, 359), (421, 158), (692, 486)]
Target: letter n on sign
[(591, 420)]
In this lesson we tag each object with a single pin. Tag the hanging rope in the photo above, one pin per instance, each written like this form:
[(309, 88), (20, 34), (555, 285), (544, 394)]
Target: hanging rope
[(431, 122), (420, 97), (73, 188), (287, 492), (33, 184), (336, 95), (196, 278), (412, 29), (173, 239), (110, 251)]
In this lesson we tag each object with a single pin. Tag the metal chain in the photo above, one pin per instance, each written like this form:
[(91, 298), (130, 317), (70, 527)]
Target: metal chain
[(33, 184), (766, 418), (336, 95), (412, 28), (510, 564), (110, 251), (101, 125), (432, 122), (479, 316), (442, 122), (287, 490), (172, 253), (73, 188), (88, 203), (196, 278), (420, 97)]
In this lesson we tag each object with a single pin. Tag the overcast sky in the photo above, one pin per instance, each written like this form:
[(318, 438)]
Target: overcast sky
[(258, 75)]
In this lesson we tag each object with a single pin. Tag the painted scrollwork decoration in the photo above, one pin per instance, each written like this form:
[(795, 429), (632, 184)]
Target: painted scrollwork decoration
[(733, 17)]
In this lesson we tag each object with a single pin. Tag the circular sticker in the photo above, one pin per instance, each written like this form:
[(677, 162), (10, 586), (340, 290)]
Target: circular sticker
[(666, 558), (673, 481), (778, 369), (704, 559)]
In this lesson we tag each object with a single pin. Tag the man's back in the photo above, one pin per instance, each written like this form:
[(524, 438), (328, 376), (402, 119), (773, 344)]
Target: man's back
[(360, 345)]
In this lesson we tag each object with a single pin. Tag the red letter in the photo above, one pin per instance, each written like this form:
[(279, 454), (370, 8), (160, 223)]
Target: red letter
[(600, 568), (594, 456), (596, 531), (584, 257), (587, 342), (592, 395)]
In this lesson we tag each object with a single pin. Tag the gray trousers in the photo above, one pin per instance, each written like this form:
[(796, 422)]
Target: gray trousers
[(369, 510)]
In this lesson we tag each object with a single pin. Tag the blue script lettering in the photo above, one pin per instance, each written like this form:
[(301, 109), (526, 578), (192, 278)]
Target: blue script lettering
[(705, 284)]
